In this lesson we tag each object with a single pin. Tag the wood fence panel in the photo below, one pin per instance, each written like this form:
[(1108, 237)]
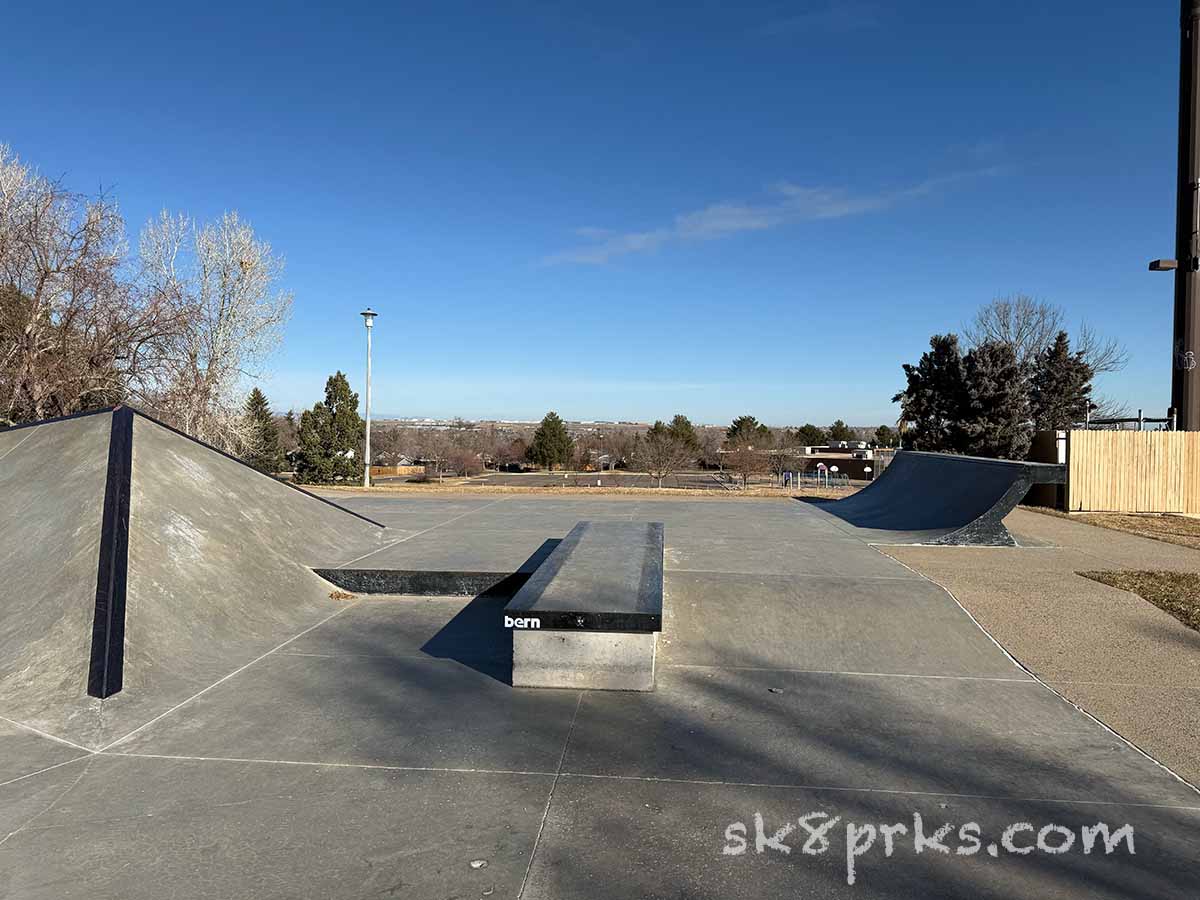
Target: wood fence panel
[(1133, 471), (384, 471)]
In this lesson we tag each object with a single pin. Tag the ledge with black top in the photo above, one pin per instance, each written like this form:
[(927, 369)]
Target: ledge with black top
[(590, 615)]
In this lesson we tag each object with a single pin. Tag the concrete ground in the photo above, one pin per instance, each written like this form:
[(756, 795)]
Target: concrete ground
[(1121, 658), (382, 752)]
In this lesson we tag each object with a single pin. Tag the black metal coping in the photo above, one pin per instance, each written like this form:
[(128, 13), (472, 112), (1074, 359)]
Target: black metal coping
[(604, 576), (107, 661), (425, 583)]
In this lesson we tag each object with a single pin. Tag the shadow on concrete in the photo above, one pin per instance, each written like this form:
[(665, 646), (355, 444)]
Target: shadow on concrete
[(719, 730), (711, 748), (475, 636)]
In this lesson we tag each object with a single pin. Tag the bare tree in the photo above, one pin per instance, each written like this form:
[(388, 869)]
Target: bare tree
[(463, 462), (620, 445), (782, 458), (389, 443), (1105, 407), (1101, 353), (1029, 326), (745, 462), (710, 447), (227, 280), (661, 452), (74, 334)]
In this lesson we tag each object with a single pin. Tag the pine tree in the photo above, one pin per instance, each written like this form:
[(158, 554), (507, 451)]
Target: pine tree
[(265, 453), (684, 432), (809, 435), (747, 431), (932, 403), (331, 436), (840, 431), (1061, 389), (994, 420), (552, 445), (884, 436)]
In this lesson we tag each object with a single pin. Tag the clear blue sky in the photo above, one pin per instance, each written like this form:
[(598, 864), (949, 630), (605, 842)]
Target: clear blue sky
[(627, 210)]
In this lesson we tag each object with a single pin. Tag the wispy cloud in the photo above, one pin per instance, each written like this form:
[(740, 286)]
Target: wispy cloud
[(787, 203)]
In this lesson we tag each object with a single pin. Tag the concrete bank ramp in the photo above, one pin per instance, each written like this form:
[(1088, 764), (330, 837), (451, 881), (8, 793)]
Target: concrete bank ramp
[(140, 566), (940, 498)]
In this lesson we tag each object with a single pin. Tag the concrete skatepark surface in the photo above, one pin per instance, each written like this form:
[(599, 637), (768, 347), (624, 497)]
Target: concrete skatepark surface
[(216, 570), (373, 747)]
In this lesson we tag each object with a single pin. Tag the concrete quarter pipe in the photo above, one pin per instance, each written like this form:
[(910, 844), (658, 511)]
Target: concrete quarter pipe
[(940, 498)]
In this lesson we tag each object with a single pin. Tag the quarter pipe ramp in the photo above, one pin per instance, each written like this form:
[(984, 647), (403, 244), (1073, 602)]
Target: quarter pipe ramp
[(940, 498)]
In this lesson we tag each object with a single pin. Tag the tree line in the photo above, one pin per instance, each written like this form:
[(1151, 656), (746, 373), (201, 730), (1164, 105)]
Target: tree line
[(1018, 375), (326, 443)]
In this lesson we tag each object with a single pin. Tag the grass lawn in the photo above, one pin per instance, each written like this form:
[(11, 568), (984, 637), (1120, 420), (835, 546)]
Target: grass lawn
[(1175, 592)]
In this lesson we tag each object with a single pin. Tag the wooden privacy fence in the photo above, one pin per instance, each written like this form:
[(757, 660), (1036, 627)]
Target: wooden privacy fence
[(1133, 471), (384, 471)]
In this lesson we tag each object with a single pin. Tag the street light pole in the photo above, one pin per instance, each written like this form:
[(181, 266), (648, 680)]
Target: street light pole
[(1185, 379), (369, 317)]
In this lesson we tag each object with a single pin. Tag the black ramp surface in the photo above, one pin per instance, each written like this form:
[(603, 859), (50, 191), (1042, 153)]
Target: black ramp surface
[(940, 498)]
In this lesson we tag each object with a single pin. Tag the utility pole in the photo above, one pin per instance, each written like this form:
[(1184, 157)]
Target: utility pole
[(1185, 380), (369, 317)]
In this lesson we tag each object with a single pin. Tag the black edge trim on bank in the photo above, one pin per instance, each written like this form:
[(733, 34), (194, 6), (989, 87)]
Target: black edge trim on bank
[(107, 662)]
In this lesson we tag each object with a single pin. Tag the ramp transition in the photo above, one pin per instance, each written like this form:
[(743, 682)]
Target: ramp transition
[(940, 498), (134, 556)]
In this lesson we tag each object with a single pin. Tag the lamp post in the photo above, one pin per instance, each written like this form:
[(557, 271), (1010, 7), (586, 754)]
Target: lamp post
[(1185, 379), (369, 317)]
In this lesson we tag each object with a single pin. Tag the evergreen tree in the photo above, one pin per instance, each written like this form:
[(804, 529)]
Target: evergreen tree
[(994, 418), (809, 435), (331, 436), (684, 432), (884, 436), (932, 402), (552, 445), (265, 453), (747, 431), (1061, 389), (840, 431)]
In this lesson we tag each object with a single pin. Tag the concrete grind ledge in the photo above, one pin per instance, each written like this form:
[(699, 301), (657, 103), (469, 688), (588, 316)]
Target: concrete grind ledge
[(603, 576), (587, 660), (589, 616)]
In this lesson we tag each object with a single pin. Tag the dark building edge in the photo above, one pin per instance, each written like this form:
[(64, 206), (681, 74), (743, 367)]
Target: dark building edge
[(107, 662)]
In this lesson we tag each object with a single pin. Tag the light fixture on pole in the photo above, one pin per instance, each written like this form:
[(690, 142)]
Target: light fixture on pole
[(368, 315)]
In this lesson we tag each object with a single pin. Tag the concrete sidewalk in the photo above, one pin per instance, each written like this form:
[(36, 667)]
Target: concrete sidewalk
[(1117, 656)]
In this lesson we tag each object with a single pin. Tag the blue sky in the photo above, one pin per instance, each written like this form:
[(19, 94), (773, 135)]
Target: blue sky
[(628, 210)]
